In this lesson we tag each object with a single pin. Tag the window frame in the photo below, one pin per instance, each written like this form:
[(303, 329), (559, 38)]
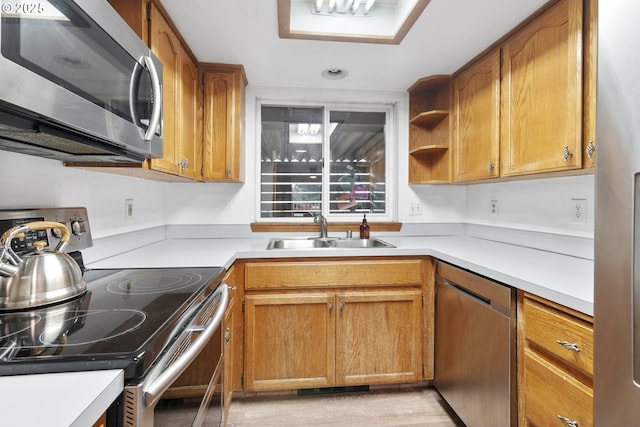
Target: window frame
[(389, 108)]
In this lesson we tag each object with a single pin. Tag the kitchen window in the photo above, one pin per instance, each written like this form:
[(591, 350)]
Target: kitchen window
[(328, 160)]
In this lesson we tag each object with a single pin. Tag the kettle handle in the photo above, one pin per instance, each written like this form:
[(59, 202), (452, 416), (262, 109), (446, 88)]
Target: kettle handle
[(19, 230)]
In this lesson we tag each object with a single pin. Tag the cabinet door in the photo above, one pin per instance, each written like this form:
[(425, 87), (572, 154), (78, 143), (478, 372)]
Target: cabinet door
[(551, 395), (378, 337), (134, 13), (190, 119), (476, 106), (289, 341), (542, 94), (166, 47), (223, 122)]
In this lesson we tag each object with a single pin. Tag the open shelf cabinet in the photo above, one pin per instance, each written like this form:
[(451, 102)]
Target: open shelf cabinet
[(429, 153)]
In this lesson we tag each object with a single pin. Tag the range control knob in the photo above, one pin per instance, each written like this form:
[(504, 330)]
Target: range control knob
[(56, 233), (78, 227)]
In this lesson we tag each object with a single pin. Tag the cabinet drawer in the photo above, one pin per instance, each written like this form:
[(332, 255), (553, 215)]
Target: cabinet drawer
[(550, 394), (548, 329), (305, 274)]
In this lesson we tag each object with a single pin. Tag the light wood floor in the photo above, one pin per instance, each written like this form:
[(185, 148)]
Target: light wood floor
[(399, 407)]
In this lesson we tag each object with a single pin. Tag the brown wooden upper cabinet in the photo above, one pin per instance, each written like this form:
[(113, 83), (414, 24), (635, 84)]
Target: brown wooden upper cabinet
[(542, 93), (476, 129), (525, 106), (182, 153), (429, 154), (181, 97), (590, 45), (224, 100)]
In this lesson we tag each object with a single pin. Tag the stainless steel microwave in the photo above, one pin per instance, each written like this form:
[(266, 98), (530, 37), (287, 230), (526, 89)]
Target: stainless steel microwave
[(77, 84)]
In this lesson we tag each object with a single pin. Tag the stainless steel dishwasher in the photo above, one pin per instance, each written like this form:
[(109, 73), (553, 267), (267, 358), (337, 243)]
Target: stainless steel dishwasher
[(475, 342)]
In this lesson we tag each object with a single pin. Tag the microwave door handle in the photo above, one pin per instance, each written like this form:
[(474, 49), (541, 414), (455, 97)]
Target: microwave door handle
[(157, 105), (153, 392), (133, 89)]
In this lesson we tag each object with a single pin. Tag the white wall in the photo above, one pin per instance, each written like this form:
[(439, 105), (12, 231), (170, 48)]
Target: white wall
[(28, 181), (539, 204)]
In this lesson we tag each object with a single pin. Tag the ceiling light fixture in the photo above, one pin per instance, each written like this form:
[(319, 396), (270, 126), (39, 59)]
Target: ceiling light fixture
[(341, 7), (388, 21), (368, 6), (334, 73)]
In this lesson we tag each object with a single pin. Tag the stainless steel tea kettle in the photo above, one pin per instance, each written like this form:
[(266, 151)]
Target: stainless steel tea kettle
[(40, 277)]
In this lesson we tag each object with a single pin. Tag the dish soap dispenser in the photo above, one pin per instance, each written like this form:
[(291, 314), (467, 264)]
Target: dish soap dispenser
[(364, 228)]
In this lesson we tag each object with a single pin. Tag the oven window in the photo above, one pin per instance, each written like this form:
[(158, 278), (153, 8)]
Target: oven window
[(198, 391), (192, 411)]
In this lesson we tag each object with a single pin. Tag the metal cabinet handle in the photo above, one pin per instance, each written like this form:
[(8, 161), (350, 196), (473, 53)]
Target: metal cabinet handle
[(566, 154), (490, 166), (342, 305), (591, 148), (568, 422), (569, 345), (331, 307), (227, 335), (183, 163)]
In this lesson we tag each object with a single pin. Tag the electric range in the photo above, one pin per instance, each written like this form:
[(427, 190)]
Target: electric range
[(150, 322), (124, 321)]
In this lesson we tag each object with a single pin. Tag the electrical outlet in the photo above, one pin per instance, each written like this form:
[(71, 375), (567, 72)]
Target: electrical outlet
[(128, 209), (578, 211), (493, 208), (415, 208)]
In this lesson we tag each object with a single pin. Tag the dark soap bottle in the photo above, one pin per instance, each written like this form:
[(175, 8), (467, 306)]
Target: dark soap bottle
[(364, 228)]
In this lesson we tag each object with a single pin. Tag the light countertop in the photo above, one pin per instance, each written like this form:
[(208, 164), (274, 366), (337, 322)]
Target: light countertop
[(567, 280), (75, 399)]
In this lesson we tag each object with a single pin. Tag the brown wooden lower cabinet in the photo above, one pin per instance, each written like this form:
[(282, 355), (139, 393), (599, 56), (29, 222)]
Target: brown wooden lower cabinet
[(102, 421), (289, 341), (323, 323), (555, 364), (378, 336), (312, 340)]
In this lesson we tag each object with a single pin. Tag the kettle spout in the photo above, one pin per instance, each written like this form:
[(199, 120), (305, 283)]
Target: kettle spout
[(7, 270)]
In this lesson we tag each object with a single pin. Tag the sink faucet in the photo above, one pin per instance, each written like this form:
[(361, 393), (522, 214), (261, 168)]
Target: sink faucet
[(320, 219)]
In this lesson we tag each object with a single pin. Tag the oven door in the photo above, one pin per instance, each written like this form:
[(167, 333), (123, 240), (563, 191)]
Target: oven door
[(196, 409), (141, 400)]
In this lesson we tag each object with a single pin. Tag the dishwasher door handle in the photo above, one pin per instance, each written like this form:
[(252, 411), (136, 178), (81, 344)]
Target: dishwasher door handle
[(479, 298), (492, 304)]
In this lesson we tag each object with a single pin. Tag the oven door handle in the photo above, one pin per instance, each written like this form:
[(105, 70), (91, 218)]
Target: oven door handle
[(162, 376)]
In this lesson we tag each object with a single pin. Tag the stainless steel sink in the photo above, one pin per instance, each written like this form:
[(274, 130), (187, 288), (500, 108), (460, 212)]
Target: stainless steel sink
[(360, 243), (313, 243)]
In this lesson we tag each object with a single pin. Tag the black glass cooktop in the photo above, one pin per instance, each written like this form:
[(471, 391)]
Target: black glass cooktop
[(123, 321)]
